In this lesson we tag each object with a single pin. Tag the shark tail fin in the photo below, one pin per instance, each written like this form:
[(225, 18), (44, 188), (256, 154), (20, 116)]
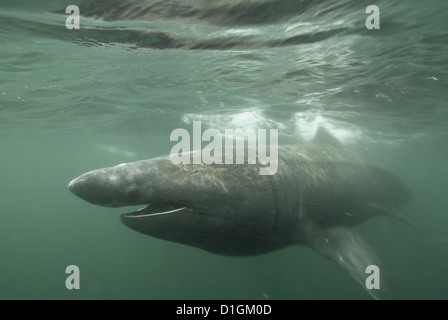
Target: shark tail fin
[(350, 251)]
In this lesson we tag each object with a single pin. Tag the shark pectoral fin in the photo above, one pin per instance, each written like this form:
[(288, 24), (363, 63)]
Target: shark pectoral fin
[(352, 253)]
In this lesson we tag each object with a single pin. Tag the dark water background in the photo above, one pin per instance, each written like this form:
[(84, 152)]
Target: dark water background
[(112, 92)]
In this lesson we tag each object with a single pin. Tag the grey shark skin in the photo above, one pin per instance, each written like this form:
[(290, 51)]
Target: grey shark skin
[(318, 191)]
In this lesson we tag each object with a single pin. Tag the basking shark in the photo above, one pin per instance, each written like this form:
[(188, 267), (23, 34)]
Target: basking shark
[(318, 192)]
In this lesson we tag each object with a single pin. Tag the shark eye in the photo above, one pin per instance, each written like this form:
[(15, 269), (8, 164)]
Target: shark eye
[(131, 191)]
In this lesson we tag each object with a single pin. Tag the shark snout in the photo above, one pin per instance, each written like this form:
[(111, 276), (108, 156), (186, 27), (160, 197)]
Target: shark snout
[(78, 186), (102, 189), (88, 190)]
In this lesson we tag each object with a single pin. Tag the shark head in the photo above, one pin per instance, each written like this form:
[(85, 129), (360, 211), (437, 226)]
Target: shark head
[(199, 205)]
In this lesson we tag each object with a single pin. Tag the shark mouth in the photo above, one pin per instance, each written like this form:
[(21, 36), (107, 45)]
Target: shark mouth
[(153, 210)]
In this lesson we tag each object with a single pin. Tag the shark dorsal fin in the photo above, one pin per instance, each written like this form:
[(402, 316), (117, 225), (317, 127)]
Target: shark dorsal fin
[(325, 138)]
